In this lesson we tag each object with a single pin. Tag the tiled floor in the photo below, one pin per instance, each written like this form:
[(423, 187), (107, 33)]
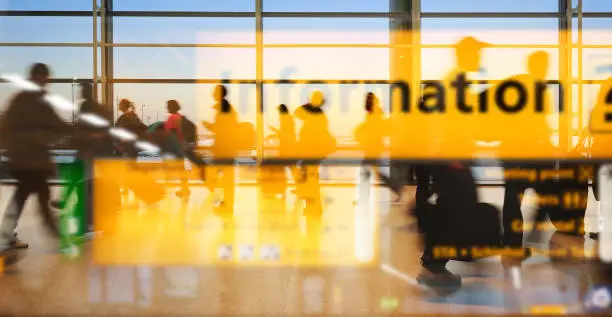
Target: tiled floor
[(165, 260)]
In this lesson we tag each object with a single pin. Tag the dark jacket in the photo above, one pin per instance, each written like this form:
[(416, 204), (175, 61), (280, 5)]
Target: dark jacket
[(132, 123), (91, 140), (29, 127)]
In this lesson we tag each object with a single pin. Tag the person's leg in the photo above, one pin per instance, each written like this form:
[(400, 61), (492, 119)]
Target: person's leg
[(423, 188), (434, 272), (40, 187), (194, 158), (14, 209), (512, 218), (184, 190)]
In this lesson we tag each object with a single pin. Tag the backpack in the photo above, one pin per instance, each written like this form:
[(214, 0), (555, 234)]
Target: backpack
[(189, 129), (246, 136)]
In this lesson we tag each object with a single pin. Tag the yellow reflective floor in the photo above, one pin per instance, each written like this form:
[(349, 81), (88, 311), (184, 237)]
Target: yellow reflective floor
[(376, 274)]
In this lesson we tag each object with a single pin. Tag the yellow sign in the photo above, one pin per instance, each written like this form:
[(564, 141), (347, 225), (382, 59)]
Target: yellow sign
[(153, 226)]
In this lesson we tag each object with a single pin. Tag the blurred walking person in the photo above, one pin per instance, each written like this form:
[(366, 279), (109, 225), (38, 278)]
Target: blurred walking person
[(91, 142), (30, 125), (371, 135), (185, 134)]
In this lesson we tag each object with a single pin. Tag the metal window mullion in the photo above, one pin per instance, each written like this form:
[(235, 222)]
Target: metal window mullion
[(292, 45), (565, 74), (95, 48), (580, 64), (296, 81), (152, 45), (46, 44), (107, 55), (182, 14), (416, 48), (454, 15), (259, 78), (35, 13)]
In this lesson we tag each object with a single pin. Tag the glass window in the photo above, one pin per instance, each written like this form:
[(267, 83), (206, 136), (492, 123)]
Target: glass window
[(46, 29), (489, 6), (492, 30), (596, 6), (46, 5), (165, 5), (596, 31), (195, 99), (325, 6), (326, 63), (184, 30), (590, 93), (326, 31), (596, 63), (497, 63), (65, 62), (66, 91), (174, 62)]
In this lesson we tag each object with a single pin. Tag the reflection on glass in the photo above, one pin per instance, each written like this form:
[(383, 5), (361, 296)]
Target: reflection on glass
[(326, 6), (120, 284), (182, 282), (184, 6), (184, 62), (196, 100), (490, 6), (313, 288), (63, 5), (498, 63), (493, 30), (95, 284), (184, 30), (65, 62), (326, 63), (326, 31), (145, 286), (46, 29)]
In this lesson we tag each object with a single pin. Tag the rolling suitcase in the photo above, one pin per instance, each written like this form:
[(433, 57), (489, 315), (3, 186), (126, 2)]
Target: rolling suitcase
[(458, 222)]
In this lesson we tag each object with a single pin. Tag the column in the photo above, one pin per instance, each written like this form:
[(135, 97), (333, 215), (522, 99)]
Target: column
[(405, 66)]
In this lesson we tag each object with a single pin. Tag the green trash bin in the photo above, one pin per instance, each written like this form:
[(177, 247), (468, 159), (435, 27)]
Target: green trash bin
[(73, 223)]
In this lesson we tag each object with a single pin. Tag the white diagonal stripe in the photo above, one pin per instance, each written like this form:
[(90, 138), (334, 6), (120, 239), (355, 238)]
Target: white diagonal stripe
[(123, 134), (94, 120)]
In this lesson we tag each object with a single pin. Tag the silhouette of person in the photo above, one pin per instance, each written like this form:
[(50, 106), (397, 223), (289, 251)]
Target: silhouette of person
[(371, 135), (224, 128), (30, 125), (451, 131), (129, 121), (174, 125), (315, 142), (285, 134), (539, 138), (92, 142)]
